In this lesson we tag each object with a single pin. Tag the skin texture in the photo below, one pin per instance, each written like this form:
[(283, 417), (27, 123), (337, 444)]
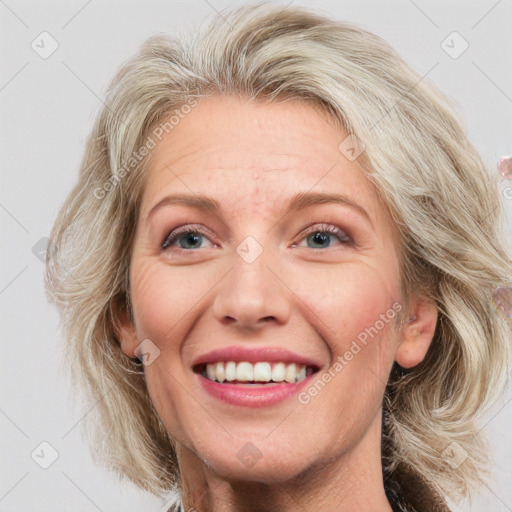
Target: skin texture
[(311, 297)]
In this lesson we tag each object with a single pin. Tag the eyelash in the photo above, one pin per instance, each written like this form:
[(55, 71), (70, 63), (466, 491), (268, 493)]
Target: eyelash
[(321, 227)]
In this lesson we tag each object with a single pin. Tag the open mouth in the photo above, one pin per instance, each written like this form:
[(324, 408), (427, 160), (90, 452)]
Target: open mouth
[(245, 373)]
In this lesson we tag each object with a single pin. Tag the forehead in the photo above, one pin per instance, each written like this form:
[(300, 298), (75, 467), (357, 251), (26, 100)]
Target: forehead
[(253, 155)]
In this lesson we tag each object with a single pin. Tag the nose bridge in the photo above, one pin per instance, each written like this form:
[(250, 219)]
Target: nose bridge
[(250, 294)]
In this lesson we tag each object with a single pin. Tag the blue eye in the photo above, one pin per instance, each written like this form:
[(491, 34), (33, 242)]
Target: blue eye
[(188, 238), (322, 235)]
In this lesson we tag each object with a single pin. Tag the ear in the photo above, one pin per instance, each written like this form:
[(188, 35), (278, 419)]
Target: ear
[(417, 333), (126, 333)]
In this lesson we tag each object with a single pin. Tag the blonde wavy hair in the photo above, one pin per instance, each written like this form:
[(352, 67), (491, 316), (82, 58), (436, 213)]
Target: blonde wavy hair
[(442, 198)]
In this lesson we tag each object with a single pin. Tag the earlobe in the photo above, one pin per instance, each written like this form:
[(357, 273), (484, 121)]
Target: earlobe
[(417, 335), (126, 334)]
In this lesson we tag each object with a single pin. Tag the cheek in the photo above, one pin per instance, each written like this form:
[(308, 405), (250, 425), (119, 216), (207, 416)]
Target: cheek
[(162, 298), (370, 323), (361, 341), (349, 299), (160, 316), (165, 302)]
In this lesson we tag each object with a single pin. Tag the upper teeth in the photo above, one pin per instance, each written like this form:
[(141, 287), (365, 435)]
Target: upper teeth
[(260, 372)]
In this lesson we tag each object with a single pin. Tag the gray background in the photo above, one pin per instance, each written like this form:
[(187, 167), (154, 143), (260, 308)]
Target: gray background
[(48, 106)]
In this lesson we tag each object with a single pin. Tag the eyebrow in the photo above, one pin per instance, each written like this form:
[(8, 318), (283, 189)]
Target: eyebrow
[(297, 202)]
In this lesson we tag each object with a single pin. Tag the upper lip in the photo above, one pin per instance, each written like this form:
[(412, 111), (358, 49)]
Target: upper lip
[(254, 355)]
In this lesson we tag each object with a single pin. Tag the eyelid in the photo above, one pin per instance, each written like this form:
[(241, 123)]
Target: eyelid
[(344, 236), (332, 228), (185, 228)]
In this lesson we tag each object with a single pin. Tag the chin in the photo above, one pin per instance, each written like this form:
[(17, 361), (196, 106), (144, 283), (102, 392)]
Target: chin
[(266, 470), (256, 460)]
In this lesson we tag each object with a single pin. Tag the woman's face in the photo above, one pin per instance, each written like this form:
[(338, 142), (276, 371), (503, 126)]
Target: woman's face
[(274, 274)]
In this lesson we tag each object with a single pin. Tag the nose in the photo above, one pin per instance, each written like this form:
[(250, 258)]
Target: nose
[(252, 294)]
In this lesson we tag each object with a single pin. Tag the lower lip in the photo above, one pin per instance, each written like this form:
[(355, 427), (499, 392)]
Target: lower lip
[(252, 395)]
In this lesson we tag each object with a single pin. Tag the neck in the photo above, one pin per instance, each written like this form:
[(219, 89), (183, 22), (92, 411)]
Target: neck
[(352, 481)]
